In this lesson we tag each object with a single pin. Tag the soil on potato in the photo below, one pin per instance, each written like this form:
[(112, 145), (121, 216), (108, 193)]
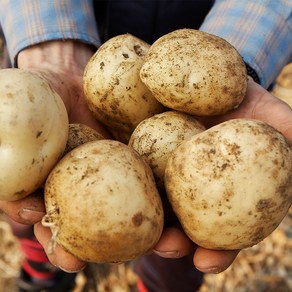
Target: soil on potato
[(264, 267)]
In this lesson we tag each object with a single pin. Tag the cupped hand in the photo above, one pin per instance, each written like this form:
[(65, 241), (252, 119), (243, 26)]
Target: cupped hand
[(261, 105), (61, 64), (258, 104)]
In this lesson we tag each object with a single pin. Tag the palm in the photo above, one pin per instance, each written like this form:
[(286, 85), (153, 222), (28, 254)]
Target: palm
[(259, 104), (70, 88)]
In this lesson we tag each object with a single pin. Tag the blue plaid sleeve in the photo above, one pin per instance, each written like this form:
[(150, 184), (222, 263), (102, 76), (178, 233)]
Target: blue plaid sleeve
[(261, 30), (28, 22)]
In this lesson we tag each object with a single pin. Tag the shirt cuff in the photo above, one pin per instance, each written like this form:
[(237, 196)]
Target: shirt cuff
[(261, 31), (29, 22)]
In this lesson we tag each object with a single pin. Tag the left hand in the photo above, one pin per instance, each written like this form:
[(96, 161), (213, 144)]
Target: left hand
[(258, 104)]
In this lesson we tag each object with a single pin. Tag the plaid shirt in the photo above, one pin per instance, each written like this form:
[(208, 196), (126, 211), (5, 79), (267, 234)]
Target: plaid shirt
[(261, 30)]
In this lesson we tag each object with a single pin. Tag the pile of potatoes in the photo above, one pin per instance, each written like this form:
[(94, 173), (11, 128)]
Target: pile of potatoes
[(229, 185), (235, 177)]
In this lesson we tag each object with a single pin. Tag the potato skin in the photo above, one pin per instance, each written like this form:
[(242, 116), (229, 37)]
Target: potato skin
[(112, 85), (80, 134), (231, 185), (33, 132), (195, 72), (157, 137), (102, 201)]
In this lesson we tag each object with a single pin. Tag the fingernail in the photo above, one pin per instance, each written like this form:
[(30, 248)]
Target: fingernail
[(31, 215), (167, 254), (211, 270), (72, 272)]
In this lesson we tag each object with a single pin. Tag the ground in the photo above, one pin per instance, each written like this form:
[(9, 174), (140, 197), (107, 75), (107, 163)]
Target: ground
[(266, 267)]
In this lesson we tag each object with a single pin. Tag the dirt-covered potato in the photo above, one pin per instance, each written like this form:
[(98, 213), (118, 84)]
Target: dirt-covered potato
[(112, 85), (157, 137), (33, 132), (195, 72), (231, 185), (102, 203), (80, 134)]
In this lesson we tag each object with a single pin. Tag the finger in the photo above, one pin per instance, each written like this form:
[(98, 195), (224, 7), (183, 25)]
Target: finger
[(261, 105), (174, 244), (271, 110), (213, 261), (245, 110), (27, 211), (58, 257)]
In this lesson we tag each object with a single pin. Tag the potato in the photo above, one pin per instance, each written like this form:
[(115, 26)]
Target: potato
[(112, 85), (283, 93), (285, 77), (157, 137), (231, 185), (33, 132), (80, 134), (102, 203), (195, 72)]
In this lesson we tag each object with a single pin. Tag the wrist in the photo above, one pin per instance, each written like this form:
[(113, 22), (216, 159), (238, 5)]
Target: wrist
[(67, 56)]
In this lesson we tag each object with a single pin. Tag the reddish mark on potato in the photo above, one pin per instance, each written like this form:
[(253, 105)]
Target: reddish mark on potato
[(137, 219)]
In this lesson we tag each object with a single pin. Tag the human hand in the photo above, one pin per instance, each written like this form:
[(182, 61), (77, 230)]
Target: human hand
[(61, 64), (258, 104)]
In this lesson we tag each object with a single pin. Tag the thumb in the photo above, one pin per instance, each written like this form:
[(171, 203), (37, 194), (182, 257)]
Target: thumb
[(27, 211)]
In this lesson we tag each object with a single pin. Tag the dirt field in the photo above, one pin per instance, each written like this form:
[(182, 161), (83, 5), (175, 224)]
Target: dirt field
[(266, 267)]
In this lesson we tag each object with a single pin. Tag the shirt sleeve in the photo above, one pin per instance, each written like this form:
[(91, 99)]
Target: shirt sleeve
[(28, 22), (261, 30)]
